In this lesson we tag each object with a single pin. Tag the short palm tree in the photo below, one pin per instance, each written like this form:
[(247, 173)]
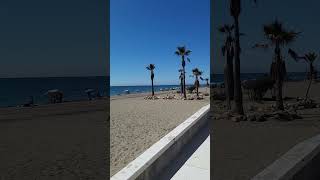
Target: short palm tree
[(278, 37), (308, 58), (197, 73), (151, 68), (184, 53), (207, 81)]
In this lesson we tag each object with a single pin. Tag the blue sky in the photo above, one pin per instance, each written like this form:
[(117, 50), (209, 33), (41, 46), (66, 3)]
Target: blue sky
[(301, 16), (148, 31), (52, 38)]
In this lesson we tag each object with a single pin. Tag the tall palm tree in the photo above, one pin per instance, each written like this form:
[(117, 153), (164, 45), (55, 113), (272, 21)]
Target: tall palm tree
[(278, 37), (197, 73), (309, 58), (151, 68), (181, 80), (228, 52), (235, 10), (183, 52)]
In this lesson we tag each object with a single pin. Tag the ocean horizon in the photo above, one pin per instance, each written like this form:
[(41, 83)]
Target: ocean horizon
[(18, 91)]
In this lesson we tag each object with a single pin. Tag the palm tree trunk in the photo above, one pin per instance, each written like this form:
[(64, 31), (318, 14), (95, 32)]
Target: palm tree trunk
[(237, 81), (152, 87), (310, 81), (279, 80), (184, 79), (227, 85), (231, 76), (181, 86), (197, 84)]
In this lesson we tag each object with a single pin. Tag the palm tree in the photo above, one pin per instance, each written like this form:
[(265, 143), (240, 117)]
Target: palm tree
[(181, 80), (151, 68), (235, 10), (207, 81), (183, 52), (278, 37), (228, 52), (197, 73), (309, 58)]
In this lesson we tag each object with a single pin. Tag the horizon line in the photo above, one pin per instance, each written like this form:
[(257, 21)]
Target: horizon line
[(50, 77)]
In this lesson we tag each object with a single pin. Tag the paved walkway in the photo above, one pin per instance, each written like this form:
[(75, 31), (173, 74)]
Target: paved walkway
[(197, 166)]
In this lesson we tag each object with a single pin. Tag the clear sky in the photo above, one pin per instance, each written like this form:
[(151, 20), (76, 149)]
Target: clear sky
[(148, 31), (52, 38), (297, 15)]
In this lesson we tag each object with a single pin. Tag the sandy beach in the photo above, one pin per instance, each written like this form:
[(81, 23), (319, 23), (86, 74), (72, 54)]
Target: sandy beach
[(243, 149), (137, 123), (59, 141)]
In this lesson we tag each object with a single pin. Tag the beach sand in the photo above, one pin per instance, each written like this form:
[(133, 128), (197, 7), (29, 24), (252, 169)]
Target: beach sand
[(137, 123), (243, 149), (60, 141)]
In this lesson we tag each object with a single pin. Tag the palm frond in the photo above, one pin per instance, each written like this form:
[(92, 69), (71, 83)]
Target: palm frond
[(151, 67), (311, 57), (276, 33), (295, 56)]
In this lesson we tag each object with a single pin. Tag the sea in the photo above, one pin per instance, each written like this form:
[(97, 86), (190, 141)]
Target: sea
[(18, 91)]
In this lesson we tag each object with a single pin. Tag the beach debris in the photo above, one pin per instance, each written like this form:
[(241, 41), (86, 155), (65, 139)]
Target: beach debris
[(301, 104), (190, 98), (238, 118), (251, 117), (169, 97), (151, 97), (199, 98), (191, 89)]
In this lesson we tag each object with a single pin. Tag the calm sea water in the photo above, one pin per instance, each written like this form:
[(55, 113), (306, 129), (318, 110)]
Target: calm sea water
[(17, 91)]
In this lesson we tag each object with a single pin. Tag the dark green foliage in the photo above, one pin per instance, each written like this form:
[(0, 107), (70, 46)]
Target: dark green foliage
[(256, 89)]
